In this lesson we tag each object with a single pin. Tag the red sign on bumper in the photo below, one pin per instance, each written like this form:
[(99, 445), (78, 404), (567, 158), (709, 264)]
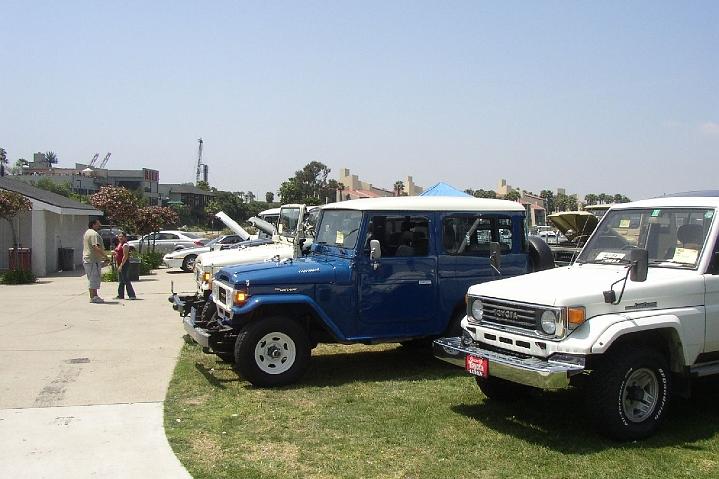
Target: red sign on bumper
[(477, 366)]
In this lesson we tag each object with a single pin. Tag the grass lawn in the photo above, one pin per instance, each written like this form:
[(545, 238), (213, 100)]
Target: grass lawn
[(384, 411)]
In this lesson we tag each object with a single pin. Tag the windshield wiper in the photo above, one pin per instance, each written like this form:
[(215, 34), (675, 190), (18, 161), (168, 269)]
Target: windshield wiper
[(659, 262)]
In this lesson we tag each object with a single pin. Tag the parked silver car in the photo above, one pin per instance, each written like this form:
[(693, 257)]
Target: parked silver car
[(169, 240)]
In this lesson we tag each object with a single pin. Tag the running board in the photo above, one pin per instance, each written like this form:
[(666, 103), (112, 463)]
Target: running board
[(704, 369)]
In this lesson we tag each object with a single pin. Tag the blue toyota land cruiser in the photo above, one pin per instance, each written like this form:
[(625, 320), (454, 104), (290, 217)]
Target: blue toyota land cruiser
[(381, 270)]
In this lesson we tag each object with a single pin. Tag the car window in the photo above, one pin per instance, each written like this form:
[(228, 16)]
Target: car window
[(230, 239), (471, 235), (191, 235), (400, 235), (167, 236)]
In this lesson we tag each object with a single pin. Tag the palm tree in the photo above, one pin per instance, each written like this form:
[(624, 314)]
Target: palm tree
[(340, 188), (398, 188), (51, 157)]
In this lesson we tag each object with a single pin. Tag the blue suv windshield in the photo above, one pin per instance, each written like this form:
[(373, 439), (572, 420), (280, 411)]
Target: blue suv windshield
[(339, 228)]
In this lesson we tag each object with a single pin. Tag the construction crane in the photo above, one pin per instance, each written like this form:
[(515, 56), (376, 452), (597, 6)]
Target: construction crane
[(200, 165), (104, 160), (94, 159)]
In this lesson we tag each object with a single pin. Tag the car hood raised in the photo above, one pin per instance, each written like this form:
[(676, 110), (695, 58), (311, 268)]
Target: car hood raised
[(574, 224), (232, 224)]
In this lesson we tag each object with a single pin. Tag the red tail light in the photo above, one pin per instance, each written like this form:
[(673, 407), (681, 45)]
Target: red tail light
[(198, 243)]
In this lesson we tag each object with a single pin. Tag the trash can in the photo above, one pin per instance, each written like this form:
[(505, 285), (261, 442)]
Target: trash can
[(22, 260), (65, 259), (133, 272)]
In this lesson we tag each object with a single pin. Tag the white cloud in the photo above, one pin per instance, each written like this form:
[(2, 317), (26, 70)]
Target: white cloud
[(710, 128)]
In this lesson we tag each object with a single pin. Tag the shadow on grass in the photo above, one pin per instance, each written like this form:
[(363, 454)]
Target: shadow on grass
[(399, 364), (212, 379), (559, 421)]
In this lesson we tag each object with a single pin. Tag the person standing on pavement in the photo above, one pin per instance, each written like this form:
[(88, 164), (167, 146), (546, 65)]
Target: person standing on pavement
[(93, 255), (122, 258)]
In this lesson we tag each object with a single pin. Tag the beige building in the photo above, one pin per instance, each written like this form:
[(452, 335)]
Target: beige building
[(355, 188)]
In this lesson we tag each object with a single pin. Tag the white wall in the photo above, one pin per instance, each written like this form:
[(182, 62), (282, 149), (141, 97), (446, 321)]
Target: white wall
[(23, 229), (44, 232)]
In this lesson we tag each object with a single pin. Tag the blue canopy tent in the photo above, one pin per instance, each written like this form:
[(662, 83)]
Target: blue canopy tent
[(443, 189)]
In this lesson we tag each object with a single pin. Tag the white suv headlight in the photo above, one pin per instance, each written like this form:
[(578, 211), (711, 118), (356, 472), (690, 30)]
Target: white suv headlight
[(549, 322), (477, 309)]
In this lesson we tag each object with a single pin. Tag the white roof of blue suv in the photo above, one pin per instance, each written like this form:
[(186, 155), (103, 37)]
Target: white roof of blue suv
[(425, 203)]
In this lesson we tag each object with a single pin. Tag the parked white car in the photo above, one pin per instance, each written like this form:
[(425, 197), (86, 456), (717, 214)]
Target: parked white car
[(631, 321), (185, 258), (169, 240)]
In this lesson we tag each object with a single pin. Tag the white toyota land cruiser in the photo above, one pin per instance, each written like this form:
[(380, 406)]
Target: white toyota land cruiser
[(631, 321)]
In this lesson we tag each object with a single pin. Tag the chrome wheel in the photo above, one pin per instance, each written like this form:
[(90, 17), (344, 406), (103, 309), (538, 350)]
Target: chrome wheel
[(639, 395), (275, 353)]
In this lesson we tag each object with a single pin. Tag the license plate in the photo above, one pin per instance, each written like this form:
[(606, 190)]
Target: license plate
[(477, 366)]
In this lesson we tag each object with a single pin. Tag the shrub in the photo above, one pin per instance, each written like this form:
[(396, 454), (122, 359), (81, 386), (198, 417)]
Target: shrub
[(149, 261), (110, 276), (17, 276)]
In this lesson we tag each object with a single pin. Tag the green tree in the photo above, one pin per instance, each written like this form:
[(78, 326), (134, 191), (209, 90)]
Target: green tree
[(269, 197), (202, 185), (51, 157), (11, 205), (481, 193), (513, 195), (591, 199), (309, 185), (3, 161), (398, 188), (548, 200)]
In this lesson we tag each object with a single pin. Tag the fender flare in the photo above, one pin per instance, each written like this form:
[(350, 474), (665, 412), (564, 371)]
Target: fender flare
[(649, 323), (259, 301)]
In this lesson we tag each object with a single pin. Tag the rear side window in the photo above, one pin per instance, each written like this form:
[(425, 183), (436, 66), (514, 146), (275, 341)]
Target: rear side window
[(400, 235), (471, 235)]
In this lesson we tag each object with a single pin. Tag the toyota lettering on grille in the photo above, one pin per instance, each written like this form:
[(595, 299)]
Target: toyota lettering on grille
[(506, 314)]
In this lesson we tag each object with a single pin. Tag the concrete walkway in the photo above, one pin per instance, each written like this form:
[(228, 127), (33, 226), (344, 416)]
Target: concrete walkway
[(82, 385)]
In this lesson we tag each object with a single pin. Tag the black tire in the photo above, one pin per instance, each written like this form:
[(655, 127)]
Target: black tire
[(540, 256), (208, 314), (623, 373), (498, 389), (188, 264), (260, 340)]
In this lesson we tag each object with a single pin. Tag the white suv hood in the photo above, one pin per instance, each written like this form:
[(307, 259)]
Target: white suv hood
[(583, 285), (254, 254)]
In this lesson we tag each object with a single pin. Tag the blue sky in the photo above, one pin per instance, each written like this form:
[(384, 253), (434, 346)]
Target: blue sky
[(614, 97)]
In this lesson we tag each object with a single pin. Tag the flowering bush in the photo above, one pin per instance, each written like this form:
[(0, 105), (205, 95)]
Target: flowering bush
[(118, 204)]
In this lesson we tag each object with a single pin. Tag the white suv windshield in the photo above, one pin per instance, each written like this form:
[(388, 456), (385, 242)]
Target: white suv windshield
[(339, 228), (674, 237)]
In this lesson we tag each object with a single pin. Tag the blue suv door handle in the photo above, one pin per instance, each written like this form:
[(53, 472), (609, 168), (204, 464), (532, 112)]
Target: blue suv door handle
[(425, 281)]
